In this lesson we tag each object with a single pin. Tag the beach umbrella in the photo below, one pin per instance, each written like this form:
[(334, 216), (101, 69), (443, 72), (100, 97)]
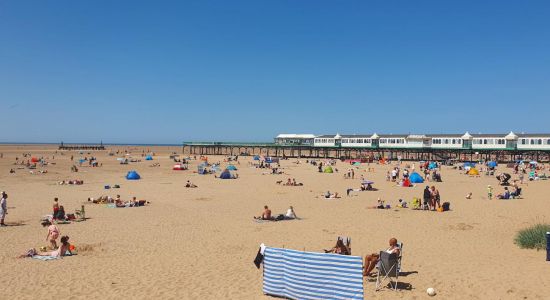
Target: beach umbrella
[(231, 167), (533, 162), (367, 182), (492, 164)]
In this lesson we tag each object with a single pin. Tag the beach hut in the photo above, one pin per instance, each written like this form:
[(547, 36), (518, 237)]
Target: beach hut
[(148, 157), (133, 175), (473, 172), (226, 175), (231, 168), (416, 178), (328, 169)]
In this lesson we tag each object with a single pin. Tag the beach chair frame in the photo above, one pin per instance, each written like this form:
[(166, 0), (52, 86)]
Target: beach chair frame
[(389, 267)]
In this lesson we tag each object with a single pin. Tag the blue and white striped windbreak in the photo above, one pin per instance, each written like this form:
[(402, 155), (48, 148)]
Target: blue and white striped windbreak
[(309, 275)]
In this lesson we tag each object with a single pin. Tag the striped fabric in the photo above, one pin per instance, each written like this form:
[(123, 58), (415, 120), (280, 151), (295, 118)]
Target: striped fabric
[(309, 275)]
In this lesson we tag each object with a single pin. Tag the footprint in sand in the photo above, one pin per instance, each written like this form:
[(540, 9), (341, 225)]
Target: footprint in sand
[(461, 226), (203, 199)]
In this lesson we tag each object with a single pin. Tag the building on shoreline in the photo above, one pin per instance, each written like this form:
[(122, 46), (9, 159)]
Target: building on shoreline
[(501, 147)]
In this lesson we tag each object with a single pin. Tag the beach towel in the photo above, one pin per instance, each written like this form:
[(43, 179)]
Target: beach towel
[(45, 257)]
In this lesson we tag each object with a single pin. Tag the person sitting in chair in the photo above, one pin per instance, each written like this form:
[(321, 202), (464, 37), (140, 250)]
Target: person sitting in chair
[(372, 259), (340, 248)]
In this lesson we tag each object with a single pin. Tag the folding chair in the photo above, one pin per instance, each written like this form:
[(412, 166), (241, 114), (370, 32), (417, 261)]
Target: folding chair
[(389, 266), (347, 241)]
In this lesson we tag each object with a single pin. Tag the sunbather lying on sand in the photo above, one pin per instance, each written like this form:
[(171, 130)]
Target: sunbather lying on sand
[(190, 185), (59, 252), (329, 195)]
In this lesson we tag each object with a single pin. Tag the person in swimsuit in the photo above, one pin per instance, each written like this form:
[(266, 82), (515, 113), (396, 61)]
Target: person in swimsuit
[(372, 260), (266, 215), (53, 234)]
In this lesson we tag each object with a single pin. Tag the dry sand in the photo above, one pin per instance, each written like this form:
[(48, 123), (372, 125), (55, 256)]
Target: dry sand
[(200, 243)]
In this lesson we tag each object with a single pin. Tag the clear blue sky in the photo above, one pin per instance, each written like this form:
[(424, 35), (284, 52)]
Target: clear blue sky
[(168, 71)]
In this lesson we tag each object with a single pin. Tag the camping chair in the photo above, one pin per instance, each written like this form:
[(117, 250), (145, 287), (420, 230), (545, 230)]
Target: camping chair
[(347, 241), (389, 266), (81, 213)]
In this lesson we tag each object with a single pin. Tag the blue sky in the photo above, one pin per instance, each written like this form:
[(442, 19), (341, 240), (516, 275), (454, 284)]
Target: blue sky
[(169, 71)]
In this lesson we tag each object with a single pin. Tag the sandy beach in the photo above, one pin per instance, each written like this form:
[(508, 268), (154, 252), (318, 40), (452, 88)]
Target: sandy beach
[(200, 243)]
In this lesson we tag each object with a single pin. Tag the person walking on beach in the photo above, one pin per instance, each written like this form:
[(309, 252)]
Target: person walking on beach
[(53, 234), (489, 192), (3, 208)]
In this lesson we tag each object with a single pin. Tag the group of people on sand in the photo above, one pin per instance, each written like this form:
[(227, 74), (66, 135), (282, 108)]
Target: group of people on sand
[(267, 216), (118, 202), (431, 198), (71, 182), (291, 182), (54, 250), (371, 260)]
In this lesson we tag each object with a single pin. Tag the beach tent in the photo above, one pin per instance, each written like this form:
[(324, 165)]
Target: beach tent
[(492, 164), (148, 157), (232, 168), (201, 169), (328, 169), (416, 178), (225, 175), (256, 157), (432, 165), (356, 163), (133, 175), (473, 171), (469, 164)]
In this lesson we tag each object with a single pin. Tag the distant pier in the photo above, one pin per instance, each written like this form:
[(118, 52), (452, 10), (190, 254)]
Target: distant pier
[(64, 146), (405, 154)]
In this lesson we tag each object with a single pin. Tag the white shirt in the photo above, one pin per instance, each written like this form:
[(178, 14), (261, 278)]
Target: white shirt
[(290, 214)]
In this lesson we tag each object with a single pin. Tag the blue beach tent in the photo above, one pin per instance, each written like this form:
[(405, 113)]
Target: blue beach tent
[(492, 164), (225, 175), (133, 175), (148, 157), (416, 178)]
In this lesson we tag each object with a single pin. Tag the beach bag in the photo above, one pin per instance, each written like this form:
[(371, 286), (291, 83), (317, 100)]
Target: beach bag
[(446, 206), (280, 217)]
